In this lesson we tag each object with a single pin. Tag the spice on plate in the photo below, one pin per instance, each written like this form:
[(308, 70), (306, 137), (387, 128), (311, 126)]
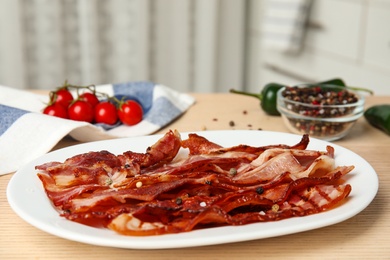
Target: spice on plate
[(232, 172), (179, 201), (260, 190)]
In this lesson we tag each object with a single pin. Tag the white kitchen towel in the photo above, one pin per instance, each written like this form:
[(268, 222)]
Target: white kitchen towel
[(284, 24), (26, 133)]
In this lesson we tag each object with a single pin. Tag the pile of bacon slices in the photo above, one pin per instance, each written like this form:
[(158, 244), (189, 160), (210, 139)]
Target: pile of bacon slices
[(157, 192)]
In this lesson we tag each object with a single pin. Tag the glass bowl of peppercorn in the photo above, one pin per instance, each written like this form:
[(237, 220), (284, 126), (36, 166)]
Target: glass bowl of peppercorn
[(325, 112)]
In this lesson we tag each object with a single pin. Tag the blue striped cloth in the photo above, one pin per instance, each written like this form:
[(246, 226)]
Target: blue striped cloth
[(26, 133)]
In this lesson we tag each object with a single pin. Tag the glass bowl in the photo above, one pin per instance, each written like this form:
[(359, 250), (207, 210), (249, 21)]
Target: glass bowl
[(326, 112)]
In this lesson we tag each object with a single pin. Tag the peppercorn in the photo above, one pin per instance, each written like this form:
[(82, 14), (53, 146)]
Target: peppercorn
[(232, 172), (259, 190), (109, 181), (179, 201), (319, 97)]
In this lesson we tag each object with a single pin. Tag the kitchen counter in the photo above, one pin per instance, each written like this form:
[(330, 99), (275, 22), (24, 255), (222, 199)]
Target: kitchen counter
[(364, 236)]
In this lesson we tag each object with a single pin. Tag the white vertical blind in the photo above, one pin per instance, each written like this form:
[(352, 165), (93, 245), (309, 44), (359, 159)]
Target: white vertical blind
[(170, 43), (189, 45), (142, 61), (89, 42), (205, 45), (11, 71), (232, 38)]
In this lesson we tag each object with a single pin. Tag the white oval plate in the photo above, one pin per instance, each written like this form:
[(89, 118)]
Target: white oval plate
[(28, 199)]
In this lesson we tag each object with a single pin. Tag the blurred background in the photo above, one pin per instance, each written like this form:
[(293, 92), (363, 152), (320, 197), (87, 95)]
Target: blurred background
[(194, 45)]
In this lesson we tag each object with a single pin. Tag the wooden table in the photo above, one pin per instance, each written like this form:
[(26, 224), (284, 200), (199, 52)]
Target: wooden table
[(365, 236)]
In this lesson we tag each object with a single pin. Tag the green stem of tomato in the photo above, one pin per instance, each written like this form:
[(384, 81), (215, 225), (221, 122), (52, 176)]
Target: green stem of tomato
[(91, 88)]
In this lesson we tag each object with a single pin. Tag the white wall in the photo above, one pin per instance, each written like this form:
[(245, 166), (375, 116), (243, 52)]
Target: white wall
[(349, 39)]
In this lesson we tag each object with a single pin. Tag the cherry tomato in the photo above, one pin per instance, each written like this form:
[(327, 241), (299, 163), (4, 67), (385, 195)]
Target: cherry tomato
[(81, 111), (56, 110), (130, 112), (105, 112), (63, 97), (90, 98)]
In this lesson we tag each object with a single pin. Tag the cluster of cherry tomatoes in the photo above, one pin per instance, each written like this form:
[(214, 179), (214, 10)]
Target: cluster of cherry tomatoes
[(90, 106)]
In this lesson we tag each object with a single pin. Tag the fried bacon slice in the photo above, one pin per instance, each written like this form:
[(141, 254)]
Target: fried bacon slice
[(158, 154), (200, 145), (158, 192)]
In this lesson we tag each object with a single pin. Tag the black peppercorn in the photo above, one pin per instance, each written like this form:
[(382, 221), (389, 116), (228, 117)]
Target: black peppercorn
[(259, 190)]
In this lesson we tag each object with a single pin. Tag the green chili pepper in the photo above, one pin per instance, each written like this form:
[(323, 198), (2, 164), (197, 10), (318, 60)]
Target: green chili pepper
[(379, 117), (267, 97), (340, 83), (335, 81)]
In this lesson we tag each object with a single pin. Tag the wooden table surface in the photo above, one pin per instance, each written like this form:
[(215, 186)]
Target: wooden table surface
[(364, 236)]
